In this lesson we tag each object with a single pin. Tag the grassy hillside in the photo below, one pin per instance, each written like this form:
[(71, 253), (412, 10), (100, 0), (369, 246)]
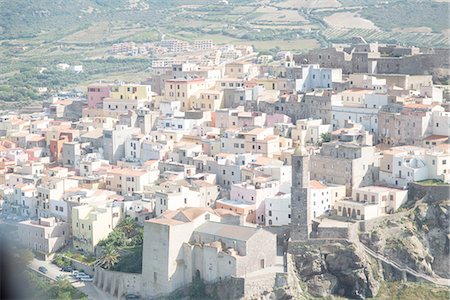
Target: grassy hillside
[(412, 290), (29, 18), (36, 34)]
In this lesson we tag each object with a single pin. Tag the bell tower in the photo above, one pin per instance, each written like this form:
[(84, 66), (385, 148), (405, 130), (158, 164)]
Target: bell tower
[(301, 223)]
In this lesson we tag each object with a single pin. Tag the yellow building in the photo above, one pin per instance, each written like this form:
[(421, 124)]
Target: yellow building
[(208, 100), (183, 90), (131, 92), (91, 224), (354, 97)]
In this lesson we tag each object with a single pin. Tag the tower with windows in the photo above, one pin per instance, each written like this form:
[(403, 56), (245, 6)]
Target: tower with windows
[(301, 221)]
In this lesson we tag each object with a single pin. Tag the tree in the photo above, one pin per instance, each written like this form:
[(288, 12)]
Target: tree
[(138, 238), (325, 137), (63, 283), (115, 239), (128, 226), (26, 256), (110, 257)]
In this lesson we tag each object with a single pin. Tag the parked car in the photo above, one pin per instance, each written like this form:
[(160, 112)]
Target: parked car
[(43, 270), (67, 269), (74, 273), (86, 278), (80, 274), (132, 297)]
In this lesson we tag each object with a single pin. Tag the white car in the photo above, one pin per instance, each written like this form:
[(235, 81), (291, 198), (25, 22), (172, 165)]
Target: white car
[(74, 273), (81, 274)]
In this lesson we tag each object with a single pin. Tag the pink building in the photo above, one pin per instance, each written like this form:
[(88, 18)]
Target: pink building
[(96, 93), (271, 120)]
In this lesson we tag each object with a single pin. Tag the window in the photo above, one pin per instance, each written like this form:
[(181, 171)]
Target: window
[(270, 213), (444, 162), (155, 277)]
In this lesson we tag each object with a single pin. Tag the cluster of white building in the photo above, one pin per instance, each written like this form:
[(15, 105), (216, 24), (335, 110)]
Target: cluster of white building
[(203, 154)]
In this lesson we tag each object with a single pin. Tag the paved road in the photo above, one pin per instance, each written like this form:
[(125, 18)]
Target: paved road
[(88, 288)]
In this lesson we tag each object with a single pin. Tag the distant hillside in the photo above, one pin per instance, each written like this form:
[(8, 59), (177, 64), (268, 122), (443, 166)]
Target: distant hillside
[(36, 34), (404, 21), (29, 18)]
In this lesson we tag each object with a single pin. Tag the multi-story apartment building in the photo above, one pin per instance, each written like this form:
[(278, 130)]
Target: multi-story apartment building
[(128, 181), (44, 236), (410, 124), (346, 164), (184, 89), (96, 93), (93, 222), (371, 202), (401, 165), (114, 140)]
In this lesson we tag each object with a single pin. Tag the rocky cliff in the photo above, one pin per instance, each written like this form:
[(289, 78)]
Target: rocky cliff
[(339, 268), (418, 238)]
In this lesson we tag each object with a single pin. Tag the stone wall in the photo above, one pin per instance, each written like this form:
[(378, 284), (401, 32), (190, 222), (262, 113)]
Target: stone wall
[(256, 286), (414, 64), (230, 288), (292, 109), (282, 232), (117, 284), (334, 233), (432, 194), (81, 266)]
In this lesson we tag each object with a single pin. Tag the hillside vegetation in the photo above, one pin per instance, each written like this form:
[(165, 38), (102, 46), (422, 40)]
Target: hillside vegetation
[(37, 34)]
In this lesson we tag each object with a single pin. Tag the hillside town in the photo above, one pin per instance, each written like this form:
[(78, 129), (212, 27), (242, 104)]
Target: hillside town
[(223, 159)]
